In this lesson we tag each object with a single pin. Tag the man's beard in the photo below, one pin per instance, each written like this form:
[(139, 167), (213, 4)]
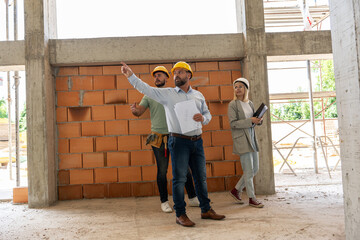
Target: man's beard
[(159, 84), (181, 82)]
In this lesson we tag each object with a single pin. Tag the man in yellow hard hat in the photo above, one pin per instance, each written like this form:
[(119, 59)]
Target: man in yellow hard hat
[(158, 141), (186, 148)]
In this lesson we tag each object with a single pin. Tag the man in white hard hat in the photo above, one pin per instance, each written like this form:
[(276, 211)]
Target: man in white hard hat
[(186, 148), (158, 140)]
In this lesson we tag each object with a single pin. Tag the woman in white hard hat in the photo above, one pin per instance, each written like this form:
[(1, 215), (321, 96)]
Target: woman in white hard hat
[(240, 112)]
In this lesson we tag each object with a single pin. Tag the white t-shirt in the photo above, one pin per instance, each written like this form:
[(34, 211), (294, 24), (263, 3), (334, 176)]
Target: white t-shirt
[(247, 109)]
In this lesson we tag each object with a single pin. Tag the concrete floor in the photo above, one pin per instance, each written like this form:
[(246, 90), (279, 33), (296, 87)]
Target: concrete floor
[(304, 207)]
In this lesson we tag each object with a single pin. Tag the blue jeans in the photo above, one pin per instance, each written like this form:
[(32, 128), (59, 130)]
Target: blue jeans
[(185, 153), (250, 165), (162, 163)]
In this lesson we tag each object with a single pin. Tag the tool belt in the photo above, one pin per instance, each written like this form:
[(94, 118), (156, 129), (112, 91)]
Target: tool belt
[(156, 139)]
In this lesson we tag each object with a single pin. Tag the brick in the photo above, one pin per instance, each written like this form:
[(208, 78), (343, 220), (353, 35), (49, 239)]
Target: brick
[(70, 192), (93, 128), (112, 70), (68, 161), (129, 174), (208, 169), (215, 184), (69, 130), (63, 146), (118, 127), (64, 71), (82, 83), (206, 66), (206, 137), (148, 79), (140, 126), (238, 168), (115, 96), (143, 143), (200, 79), (106, 175), (61, 114), (140, 68), (103, 113), (104, 82), (123, 112), (223, 168), (230, 182), (61, 84), (141, 158), (221, 138), (211, 93), (117, 190), (225, 124), (91, 70), (235, 75), (213, 153), (214, 124), (93, 98), (81, 176), (118, 159), (122, 82), (79, 114), (64, 177), (229, 155), (126, 143), (143, 189), (134, 96), (226, 93), (68, 99), (94, 191), (93, 160), (230, 65), (218, 108), (220, 78), (79, 145), (168, 66), (106, 144), (149, 173)]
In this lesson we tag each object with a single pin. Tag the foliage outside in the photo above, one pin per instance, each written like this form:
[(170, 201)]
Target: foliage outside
[(3, 109), (300, 110)]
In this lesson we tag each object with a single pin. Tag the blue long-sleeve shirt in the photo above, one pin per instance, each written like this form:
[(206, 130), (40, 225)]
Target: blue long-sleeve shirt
[(168, 97)]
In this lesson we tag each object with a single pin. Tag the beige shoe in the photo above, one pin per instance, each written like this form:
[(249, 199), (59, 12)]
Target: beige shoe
[(194, 202), (165, 207)]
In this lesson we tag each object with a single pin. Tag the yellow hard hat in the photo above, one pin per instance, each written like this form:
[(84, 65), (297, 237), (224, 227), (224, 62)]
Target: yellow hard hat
[(160, 69), (182, 65)]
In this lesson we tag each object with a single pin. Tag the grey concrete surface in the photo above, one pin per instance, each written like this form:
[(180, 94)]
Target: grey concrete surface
[(40, 102), (345, 22), (304, 207)]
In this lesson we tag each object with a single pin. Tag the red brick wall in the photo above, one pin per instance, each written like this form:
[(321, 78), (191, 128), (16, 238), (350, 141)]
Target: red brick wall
[(101, 145)]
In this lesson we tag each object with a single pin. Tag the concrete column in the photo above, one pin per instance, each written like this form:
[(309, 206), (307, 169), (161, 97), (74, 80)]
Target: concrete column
[(250, 18), (40, 26), (345, 31)]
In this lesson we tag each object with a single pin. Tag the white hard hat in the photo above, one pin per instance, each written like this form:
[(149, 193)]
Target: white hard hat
[(244, 81)]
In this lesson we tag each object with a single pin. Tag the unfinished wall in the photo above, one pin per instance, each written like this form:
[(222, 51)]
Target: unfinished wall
[(101, 146)]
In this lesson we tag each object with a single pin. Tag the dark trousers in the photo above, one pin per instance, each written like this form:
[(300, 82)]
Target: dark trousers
[(162, 163)]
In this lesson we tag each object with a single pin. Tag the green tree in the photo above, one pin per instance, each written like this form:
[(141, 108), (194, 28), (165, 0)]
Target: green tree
[(3, 109)]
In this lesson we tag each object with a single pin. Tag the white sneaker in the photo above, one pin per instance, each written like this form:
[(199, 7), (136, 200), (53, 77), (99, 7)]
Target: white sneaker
[(166, 207), (194, 202)]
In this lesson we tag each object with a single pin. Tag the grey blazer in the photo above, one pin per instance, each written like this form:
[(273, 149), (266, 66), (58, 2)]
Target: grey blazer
[(239, 128)]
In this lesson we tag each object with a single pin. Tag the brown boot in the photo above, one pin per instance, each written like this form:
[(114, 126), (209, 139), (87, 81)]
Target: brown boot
[(211, 214), (184, 221)]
